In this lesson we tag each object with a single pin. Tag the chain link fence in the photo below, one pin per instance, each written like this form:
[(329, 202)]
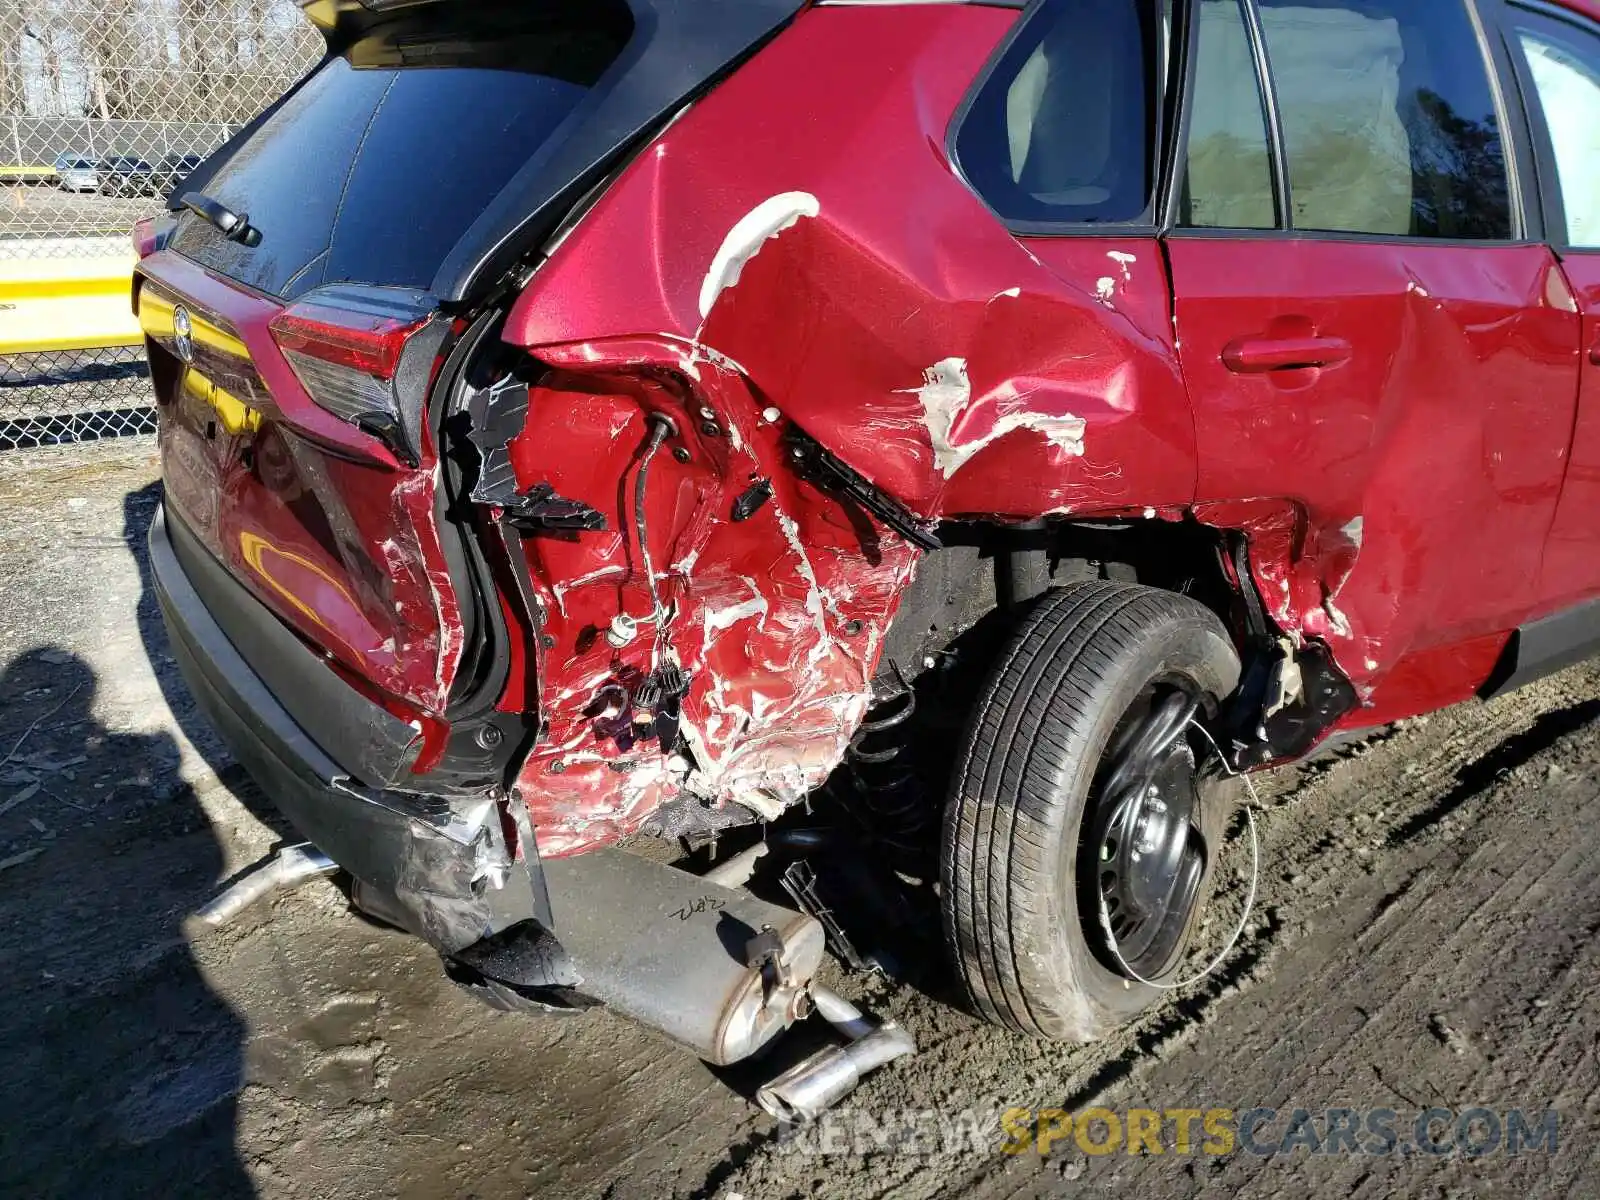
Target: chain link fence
[(104, 106)]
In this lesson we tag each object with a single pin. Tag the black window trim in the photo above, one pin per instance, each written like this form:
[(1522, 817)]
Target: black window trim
[(1526, 214), (1267, 87), (1525, 153), (1552, 201), (1150, 224)]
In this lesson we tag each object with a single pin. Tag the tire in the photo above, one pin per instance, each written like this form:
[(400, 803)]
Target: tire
[(1086, 657)]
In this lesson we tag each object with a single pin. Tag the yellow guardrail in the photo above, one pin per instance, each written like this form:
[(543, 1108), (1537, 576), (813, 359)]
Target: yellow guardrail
[(51, 304), (25, 174)]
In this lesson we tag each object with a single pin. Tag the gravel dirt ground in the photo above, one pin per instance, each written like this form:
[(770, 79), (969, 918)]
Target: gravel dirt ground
[(1424, 935)]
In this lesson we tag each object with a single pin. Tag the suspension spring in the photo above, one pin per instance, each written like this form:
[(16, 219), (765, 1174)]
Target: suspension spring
[(889, 798)]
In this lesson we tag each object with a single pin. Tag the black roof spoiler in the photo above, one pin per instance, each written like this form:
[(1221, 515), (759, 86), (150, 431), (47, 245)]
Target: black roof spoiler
[(679, 48)]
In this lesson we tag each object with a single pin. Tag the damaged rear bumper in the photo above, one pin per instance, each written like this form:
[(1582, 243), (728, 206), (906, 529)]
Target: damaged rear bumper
[(429, 864)]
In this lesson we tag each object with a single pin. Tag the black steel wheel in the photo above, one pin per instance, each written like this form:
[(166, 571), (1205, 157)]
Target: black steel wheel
[(1143, 852), (1083, 801)]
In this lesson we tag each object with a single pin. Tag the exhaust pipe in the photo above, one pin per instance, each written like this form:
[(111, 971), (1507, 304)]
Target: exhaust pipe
[(715, 969), (812, 1087), (289, 868), (737, 871)]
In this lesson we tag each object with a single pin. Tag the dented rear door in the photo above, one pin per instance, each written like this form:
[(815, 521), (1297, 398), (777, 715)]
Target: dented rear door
[(1378, 360)]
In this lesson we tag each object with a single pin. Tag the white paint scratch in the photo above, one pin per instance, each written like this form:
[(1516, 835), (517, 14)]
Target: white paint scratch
[(744, 241), (946, 393), (1124, 260), (816, 598), (1337, 621), (718, 619), (1105, 290), (1355, 530)]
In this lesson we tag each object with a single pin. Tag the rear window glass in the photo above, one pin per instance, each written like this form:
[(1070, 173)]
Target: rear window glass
[(376, 166)]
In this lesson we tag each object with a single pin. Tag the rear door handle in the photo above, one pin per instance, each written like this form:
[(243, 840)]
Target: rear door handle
[(1594, 351), (1257, 355)]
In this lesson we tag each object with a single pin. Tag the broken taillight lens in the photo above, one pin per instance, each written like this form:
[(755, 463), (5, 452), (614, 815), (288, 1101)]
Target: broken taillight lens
[(347, 345)]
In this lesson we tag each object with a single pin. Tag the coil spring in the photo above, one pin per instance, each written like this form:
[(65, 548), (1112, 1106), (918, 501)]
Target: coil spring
[(888, 792)]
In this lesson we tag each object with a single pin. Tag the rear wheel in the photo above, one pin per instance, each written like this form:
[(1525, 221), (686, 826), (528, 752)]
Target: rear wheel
[(1080, 803)]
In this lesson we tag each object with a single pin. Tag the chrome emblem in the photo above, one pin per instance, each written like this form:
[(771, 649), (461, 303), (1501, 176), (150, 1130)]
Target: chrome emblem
[(183, 333)]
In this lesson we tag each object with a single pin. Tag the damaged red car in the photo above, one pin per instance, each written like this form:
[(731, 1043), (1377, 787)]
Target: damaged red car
[(915, 455)]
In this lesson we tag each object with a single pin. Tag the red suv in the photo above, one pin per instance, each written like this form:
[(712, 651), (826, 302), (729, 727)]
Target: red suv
[(587, 420)]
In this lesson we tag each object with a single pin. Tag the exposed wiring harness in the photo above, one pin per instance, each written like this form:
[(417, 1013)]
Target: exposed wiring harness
[(624, 626), (661, 428)]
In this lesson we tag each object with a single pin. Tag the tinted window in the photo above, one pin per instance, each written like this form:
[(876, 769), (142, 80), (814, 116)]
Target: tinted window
[(1228, 162), (373, 170), (1389, 121), (1064, 128), (1565, 66)]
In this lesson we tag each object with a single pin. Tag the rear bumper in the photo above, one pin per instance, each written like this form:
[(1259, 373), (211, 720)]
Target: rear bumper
[(430, 860)]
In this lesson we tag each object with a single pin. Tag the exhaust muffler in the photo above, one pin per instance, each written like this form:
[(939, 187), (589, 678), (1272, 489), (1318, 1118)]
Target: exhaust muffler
[(716, 970)]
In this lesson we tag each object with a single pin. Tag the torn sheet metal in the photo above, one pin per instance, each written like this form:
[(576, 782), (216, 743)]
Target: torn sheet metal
[(773, 621), (750, 284)]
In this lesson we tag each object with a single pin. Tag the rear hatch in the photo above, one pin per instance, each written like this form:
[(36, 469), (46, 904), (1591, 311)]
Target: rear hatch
[(372, 219)]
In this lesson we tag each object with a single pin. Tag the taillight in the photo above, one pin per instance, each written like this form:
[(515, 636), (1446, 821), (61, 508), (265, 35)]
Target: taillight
[(348, 347), (150, 234)]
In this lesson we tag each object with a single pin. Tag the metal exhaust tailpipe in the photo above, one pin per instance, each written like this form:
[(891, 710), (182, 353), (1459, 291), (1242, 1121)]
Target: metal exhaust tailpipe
[(812, 1087), (289, 868)]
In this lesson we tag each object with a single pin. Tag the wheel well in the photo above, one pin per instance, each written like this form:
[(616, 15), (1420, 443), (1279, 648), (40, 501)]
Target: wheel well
[(989, 572), (969, 596)]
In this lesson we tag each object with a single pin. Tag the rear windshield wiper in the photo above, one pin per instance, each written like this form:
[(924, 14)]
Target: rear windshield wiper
[(235, 227)]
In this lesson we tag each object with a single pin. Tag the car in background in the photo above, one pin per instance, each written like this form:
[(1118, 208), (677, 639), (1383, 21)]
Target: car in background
[(77, 174), (125, 175), (129, 176), (171, 171)]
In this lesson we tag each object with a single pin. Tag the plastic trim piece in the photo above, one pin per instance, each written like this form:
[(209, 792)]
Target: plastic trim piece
[(1544, 647)]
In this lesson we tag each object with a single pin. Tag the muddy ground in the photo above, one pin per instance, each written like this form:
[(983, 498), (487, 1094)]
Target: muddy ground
[(1424, 936)]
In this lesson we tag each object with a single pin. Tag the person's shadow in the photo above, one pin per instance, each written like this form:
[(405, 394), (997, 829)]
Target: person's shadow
[(120, 1068)]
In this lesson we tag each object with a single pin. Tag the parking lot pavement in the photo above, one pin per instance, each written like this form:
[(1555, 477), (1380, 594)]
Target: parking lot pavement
[(1425, 935)]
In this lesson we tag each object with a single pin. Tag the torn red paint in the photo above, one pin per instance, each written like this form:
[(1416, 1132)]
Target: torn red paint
[(729, 270)]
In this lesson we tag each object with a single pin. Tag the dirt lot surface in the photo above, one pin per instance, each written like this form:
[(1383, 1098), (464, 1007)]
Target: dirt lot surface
[(1424, 936)]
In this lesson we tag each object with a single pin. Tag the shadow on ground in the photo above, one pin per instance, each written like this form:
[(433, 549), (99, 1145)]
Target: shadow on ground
[(122, 1067)]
